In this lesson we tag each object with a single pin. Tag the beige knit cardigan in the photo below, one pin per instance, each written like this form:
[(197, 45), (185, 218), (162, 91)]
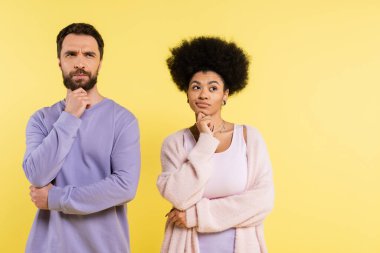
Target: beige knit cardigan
[(182, 182)]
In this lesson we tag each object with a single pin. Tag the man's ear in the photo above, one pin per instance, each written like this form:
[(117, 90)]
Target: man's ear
[(59, 62)]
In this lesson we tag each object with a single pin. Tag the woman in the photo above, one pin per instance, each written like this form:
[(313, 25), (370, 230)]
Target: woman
[(216, 174)]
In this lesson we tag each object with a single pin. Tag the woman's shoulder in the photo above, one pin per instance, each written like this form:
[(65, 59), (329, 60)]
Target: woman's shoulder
[(175, 138), (253, 133), (250, 129)]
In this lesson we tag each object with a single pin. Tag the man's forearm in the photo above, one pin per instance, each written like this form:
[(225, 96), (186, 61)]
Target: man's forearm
[(46, 152)]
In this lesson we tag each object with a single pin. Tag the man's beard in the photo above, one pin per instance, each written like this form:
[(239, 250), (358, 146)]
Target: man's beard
[(73, 85)]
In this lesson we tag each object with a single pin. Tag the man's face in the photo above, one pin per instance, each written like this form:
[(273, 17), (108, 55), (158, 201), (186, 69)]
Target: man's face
[(79, 61)]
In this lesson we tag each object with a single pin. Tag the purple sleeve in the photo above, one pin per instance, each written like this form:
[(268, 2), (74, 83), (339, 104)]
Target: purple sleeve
[(46, 151), (116, 189)]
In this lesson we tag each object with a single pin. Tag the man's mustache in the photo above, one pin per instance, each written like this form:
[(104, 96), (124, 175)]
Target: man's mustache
[(80, 72)]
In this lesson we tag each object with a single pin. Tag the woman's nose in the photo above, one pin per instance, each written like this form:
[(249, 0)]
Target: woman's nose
[(203, 94)]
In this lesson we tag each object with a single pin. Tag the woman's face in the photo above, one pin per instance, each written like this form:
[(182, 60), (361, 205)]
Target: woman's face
[(206, 92)]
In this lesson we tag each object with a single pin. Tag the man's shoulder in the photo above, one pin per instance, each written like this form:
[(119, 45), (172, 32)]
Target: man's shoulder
[(120, 111), (52, 111)]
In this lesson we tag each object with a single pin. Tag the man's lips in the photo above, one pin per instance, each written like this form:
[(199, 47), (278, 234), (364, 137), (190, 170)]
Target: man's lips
[(80, 73), (79, 76)]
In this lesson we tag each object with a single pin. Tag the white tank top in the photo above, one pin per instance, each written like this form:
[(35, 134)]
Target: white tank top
[(229, 176)]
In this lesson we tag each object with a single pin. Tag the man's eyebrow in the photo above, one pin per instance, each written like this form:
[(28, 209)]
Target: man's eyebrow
[(70, 52), (90, 52)]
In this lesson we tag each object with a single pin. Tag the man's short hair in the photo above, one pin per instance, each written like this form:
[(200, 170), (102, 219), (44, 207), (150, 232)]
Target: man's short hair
[(80, 29)]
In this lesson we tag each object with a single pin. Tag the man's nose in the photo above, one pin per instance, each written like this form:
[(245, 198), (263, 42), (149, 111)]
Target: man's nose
[(79, 64)]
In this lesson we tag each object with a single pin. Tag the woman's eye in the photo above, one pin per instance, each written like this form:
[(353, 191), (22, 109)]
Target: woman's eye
[(195, 87), (213, 88)]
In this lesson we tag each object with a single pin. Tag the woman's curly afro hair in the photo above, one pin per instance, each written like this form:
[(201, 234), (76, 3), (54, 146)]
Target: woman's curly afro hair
[(209, 54)]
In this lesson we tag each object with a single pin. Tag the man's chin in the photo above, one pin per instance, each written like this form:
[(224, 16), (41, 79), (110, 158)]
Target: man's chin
[(77, 86), (80, 85), (72, 85)]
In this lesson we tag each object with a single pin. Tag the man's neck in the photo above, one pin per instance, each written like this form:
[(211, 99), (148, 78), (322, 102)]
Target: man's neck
[(95, 96)]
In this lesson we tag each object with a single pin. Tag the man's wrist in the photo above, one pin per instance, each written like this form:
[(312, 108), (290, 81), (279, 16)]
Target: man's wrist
[(54, 197)]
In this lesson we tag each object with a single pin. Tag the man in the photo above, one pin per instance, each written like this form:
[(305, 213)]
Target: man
[(82, 158)]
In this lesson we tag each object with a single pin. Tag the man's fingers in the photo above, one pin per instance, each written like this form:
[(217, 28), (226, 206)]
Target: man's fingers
[(79, 91), (79, 96), (83, 100), (86, 100)]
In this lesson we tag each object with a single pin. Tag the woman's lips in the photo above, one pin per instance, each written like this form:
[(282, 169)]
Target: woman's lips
[(202, 104)]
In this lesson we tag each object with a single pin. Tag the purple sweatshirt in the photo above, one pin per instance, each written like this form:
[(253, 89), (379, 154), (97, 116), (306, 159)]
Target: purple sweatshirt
[(94, 164)]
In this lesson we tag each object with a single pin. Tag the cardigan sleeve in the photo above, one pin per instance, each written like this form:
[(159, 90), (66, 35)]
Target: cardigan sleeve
[(184, 176), (242, 210)]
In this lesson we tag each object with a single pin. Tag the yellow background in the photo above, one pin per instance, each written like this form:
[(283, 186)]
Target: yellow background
[(313, 93)]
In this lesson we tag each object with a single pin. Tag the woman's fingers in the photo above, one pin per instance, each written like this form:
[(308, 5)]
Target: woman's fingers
[(177, 217), (204, 123)]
